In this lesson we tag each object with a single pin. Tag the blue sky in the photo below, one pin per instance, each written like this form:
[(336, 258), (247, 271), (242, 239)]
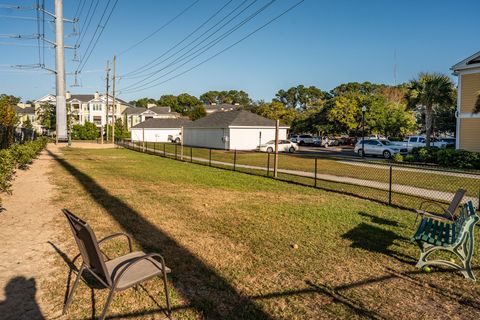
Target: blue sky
[(321, 43)]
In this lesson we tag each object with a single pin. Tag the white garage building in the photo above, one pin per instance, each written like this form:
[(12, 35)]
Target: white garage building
[(157, 130), (240, 130)]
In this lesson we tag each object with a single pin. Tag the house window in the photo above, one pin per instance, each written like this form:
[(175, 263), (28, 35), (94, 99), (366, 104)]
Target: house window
[(97, 107), (97, 120)]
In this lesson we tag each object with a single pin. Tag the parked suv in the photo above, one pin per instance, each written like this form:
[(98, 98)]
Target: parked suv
[(302, 139), (379, 147)]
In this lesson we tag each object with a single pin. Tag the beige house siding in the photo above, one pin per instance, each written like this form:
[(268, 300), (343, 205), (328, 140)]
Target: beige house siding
[(470, 134), (470, 89)]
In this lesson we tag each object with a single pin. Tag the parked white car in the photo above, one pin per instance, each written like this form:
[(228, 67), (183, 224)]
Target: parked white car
[(379, 147), (302, 139), (420, 141), (283, 146)]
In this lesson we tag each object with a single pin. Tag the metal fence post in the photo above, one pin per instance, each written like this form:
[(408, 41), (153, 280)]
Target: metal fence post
[(268, 164), (315, 178), (235, 160), (175, 151), (390, 187), (191, 154), (154, 152), (210, 157), (164, 150)]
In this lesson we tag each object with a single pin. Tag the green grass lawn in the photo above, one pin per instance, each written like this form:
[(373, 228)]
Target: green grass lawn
[(246, 247), (426, 179)]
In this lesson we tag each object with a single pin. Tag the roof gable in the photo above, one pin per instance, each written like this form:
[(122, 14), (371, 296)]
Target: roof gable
[(471, 62)]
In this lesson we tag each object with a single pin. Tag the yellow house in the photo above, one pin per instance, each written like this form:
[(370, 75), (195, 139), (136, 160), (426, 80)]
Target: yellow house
[(468, 122)]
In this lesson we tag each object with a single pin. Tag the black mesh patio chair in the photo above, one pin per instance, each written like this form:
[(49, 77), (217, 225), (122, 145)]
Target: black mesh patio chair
[(446, 213), (116, 274)]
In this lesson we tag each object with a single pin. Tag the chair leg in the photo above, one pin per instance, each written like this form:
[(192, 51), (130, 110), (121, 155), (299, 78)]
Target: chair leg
[(167, 296), (75, 284), (107, 304)]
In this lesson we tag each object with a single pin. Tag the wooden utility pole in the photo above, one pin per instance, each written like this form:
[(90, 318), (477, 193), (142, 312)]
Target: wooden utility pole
[(113, 88), (275, 159), (108, 78)]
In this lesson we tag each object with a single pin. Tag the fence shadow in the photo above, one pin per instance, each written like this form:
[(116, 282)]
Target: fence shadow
[(20, 300), (205, 290)]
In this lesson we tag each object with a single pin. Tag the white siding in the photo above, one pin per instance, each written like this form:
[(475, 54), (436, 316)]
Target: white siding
[(153, 135), (249, 138), (205, 137)]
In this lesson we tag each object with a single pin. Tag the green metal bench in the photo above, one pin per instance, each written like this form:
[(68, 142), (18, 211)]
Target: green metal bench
[(456, 237)]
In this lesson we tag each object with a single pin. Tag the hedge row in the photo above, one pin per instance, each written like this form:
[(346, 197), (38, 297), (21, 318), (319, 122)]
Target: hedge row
[(460, 159), (18, 156)]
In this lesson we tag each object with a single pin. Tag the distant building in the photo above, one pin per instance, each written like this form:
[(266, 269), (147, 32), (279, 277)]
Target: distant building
[(212, 108), (27, 111), (468, 122), (134, 116), (158, 129), (237, 129), (87, 107)]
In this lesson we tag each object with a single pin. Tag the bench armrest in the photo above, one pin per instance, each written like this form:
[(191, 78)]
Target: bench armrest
[(426, 204), (116, 235)]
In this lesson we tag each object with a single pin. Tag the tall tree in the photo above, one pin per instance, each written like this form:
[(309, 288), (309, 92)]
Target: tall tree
[(143, 102), (229, 97), (431, 90), (301, 97), (47, 117), (275, 111), (168, 100), (8, 119)]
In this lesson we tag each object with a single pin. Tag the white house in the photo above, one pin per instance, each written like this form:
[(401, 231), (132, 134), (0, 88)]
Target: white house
[(158, 129), (239, 129), (136, 115)]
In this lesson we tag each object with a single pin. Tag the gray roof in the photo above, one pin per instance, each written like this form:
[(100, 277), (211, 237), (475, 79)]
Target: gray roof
[(156, 123), (222, 107), (134, 110), (160, 110), (26, 110), (88, 97), (240, 118)]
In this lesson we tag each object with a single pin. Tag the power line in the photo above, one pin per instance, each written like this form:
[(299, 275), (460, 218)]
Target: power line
[(100, 34), (138, 73), (225, 49), (17, 17), (160, 28), (17, 7), (205, 48), (83, 29)]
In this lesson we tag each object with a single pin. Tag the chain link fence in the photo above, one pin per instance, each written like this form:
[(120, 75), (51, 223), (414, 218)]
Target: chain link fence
[(396, 184)]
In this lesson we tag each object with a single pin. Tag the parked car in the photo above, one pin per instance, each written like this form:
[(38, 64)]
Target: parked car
[(283, 146), (419, 141), (449, 141), (302, 139), (379, 147), (177, 138), (321, 142)]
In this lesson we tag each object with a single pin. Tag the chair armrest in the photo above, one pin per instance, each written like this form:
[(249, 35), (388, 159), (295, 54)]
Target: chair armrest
[(115, 235), (136, 260)]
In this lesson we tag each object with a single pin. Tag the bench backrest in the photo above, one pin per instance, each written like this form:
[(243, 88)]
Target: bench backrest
[(466, 221)]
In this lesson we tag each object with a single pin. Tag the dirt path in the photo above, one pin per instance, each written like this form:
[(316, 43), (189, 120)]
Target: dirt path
[(26, 256)]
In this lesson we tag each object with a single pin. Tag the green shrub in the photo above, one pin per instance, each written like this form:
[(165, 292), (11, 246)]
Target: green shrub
[(397, 158), (409, 158), (18, 156), (88, 131), (460, 159)]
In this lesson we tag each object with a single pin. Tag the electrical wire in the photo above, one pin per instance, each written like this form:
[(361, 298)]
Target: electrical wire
[(223, 50), (86, 25), (138, 74), (203, 49), (160, 28), (81, 66)]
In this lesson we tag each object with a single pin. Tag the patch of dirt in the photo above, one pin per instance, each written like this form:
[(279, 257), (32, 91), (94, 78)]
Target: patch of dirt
[(26, 256)]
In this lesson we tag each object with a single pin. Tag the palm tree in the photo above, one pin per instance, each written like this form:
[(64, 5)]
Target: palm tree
[(430, 90)]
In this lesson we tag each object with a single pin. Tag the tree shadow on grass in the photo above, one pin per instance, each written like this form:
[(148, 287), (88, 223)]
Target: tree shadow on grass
[(206, 291), (379, 220)]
